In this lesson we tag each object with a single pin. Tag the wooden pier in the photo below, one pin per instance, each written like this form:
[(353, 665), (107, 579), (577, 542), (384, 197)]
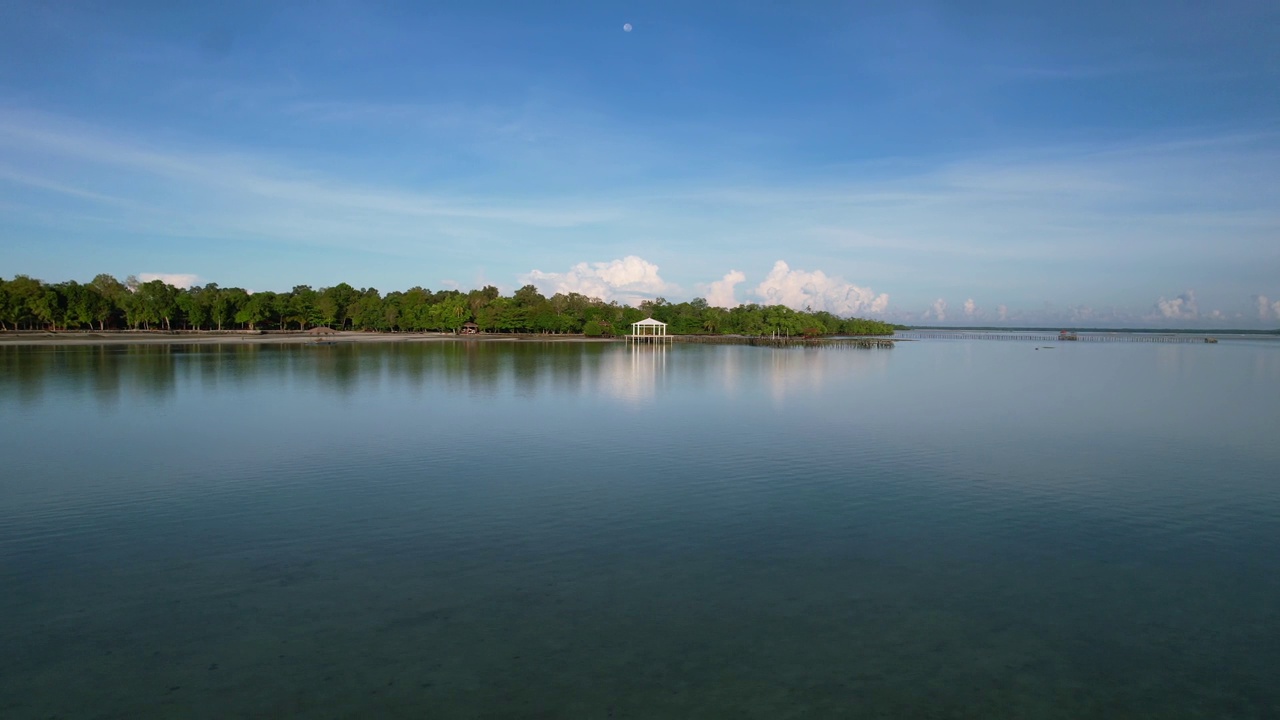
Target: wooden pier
[(1044, 337), (786, 342)]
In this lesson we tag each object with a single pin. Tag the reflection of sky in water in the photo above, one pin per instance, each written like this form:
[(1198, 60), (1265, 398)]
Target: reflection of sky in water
[(800, 372), (957, 394), (481, 528), (636, 374), (632, 374)]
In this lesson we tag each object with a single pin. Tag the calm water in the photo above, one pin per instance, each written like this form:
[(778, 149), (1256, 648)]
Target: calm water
[(946, 529)]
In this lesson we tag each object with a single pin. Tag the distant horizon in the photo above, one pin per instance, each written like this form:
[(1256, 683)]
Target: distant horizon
[(1033, 164)]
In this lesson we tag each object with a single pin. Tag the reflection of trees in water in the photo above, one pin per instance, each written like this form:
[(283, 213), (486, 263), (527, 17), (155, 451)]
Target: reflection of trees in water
[(527, 371), (479, 367), (810, 370), (486, 367), (339, 367), (412, 368), (103, 373), (148, 371), (106, 374), (572, 364)]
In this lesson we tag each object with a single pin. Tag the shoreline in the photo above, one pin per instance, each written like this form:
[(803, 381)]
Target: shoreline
[(127, 337), (64, 339)]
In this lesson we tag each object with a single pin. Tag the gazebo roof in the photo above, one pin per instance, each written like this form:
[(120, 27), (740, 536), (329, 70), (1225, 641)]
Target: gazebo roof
[(648, 321)]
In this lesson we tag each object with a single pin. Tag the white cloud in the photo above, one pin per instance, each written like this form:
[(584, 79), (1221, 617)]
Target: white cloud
[(1002, 312), (720, 292), (182, 280), (1182, 307), (799, 289), (1267, 309), (938, 310), (1083, 314), (923, 222), (630, 279), (970, 309)]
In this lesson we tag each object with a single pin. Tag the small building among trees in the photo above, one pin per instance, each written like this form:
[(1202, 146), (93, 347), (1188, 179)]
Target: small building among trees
[(649, 330), (470, 328)]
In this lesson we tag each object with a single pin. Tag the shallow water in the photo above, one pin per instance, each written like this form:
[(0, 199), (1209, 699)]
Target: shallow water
[(944, 529)]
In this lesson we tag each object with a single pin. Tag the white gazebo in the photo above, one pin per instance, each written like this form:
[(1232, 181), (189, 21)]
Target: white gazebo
[(649, 330)]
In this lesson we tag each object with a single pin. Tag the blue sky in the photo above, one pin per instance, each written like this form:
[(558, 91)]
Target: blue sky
[(1016, 162)]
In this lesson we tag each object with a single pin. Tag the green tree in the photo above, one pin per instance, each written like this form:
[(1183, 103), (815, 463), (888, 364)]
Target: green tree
[(332, 304), (528, 297), (301, 305), (451, 313), (22, 294), (27, 302), (158, 302), (227, 303), (713, 319), (48, 306), (81, 304), (113, 292), (414, 310), (196, 305), (257, 308), (365, 311), (6, 302)]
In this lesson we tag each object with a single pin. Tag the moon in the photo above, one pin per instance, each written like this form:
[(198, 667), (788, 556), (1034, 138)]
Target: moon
[(626, 27)]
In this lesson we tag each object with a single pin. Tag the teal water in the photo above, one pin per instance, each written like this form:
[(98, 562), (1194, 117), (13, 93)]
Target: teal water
[(950, 529)]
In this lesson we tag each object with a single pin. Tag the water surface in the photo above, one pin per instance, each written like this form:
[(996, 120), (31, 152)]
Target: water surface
[(945, 529)]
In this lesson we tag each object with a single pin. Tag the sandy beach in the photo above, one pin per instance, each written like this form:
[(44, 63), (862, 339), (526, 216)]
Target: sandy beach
[(274, 338)]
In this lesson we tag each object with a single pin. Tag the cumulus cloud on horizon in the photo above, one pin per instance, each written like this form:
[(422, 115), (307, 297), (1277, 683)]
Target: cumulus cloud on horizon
[(800, 289), (1182, 307), (181, 280), (1267, 309), (631, 279), (720, 292)]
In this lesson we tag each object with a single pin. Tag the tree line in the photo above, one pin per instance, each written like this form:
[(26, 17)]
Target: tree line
[(106, 303)]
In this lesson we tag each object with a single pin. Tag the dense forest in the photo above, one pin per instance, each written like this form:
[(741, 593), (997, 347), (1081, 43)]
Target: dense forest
[(109, 304)]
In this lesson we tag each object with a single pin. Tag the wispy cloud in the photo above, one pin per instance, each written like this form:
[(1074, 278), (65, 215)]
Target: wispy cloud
[(239, 193), (1055, 221), (39, 183)]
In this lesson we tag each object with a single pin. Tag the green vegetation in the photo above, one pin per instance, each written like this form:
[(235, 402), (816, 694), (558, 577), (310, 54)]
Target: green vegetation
[(108, 304)]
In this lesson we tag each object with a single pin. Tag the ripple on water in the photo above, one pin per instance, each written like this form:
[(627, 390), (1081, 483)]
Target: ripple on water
[(413, 529)]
